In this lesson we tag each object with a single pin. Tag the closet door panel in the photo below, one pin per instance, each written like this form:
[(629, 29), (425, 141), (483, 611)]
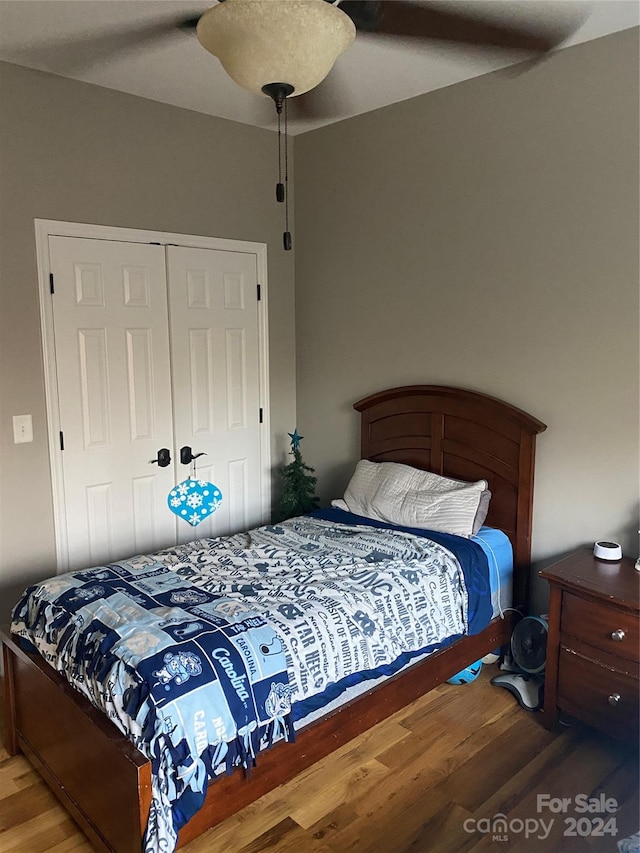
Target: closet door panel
[(216, 381), (114, 396)]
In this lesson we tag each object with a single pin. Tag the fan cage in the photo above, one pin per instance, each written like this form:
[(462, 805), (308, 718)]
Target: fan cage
[(529, 644)]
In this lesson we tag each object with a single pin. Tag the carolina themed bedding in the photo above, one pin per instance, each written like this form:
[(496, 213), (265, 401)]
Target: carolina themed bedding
[(206, 653)]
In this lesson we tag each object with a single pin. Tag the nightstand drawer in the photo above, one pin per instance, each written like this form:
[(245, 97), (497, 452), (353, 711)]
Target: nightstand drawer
[(599, 625), (600, 696)]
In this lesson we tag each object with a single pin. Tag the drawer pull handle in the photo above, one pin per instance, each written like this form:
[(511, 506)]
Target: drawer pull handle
[(617, 636), (614, 699)]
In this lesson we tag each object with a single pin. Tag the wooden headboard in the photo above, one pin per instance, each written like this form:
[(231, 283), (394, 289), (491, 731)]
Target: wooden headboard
[(468, 436)]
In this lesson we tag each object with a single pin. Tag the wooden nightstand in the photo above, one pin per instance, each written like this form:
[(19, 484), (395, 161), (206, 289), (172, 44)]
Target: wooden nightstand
[(593, 643)]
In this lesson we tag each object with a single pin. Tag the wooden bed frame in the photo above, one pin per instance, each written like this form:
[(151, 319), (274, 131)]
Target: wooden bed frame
[(105, 783)]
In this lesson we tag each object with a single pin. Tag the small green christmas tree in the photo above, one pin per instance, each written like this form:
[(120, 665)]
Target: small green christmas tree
[(298, 490)]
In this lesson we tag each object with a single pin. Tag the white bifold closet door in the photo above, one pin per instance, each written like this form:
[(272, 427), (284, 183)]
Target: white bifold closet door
[(156, 349), (215, 369)]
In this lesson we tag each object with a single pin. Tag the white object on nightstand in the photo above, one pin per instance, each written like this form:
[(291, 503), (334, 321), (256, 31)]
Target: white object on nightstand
[(607, 550)]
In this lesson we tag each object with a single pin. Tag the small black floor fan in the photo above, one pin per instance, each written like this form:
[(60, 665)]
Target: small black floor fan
[(526, 662)]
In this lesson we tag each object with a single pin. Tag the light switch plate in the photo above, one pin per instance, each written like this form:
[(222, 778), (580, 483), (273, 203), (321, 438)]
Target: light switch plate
[(22, 429)]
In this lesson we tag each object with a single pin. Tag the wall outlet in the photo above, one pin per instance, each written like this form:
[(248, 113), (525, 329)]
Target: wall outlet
[(22, 429)]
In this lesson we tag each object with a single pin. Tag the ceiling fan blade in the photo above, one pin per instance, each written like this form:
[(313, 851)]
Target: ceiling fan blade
[(405, 19), (86, 50)]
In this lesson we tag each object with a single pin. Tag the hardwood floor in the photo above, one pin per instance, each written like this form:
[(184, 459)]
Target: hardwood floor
[(431, 779)]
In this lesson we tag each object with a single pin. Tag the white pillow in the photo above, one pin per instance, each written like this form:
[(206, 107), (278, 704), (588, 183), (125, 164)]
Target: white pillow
[(400, 494), (338, 503)]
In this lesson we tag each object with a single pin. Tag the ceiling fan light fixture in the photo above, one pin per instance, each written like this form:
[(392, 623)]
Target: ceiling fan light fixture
[(267, 41)]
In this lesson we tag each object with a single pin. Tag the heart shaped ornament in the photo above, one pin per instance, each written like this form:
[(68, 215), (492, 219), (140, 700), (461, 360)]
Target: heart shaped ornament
[(194, 500)]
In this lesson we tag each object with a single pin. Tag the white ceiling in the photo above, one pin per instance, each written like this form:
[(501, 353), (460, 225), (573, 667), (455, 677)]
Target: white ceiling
[(49, 35)]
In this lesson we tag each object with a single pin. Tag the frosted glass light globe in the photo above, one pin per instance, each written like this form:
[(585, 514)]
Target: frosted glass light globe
[(276, 41)]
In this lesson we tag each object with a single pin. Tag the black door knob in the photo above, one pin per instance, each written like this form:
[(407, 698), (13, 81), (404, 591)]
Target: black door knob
[(186, 456), (164, 458)]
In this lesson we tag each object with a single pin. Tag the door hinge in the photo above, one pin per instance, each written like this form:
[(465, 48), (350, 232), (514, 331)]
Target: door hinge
[(61, 440), (260, 411), (259, 292), (51, 288)]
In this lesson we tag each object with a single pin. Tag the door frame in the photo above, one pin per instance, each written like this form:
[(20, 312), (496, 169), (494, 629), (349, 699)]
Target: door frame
[(45, 228)]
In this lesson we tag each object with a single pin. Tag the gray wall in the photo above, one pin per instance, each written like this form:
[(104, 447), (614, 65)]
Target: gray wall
[(485, 236), (75, 152)]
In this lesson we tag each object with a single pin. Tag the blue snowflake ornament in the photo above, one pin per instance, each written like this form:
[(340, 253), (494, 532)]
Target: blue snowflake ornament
[(194, 500)]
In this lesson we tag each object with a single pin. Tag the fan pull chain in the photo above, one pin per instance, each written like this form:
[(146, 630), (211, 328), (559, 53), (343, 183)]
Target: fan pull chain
[(286, 237), (279, 93), (279, 185)]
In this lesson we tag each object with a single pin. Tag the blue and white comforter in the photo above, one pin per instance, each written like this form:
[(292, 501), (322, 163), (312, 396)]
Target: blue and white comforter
[(199, 652)]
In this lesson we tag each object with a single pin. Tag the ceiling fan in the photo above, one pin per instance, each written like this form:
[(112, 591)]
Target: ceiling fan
[(285, 48)]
